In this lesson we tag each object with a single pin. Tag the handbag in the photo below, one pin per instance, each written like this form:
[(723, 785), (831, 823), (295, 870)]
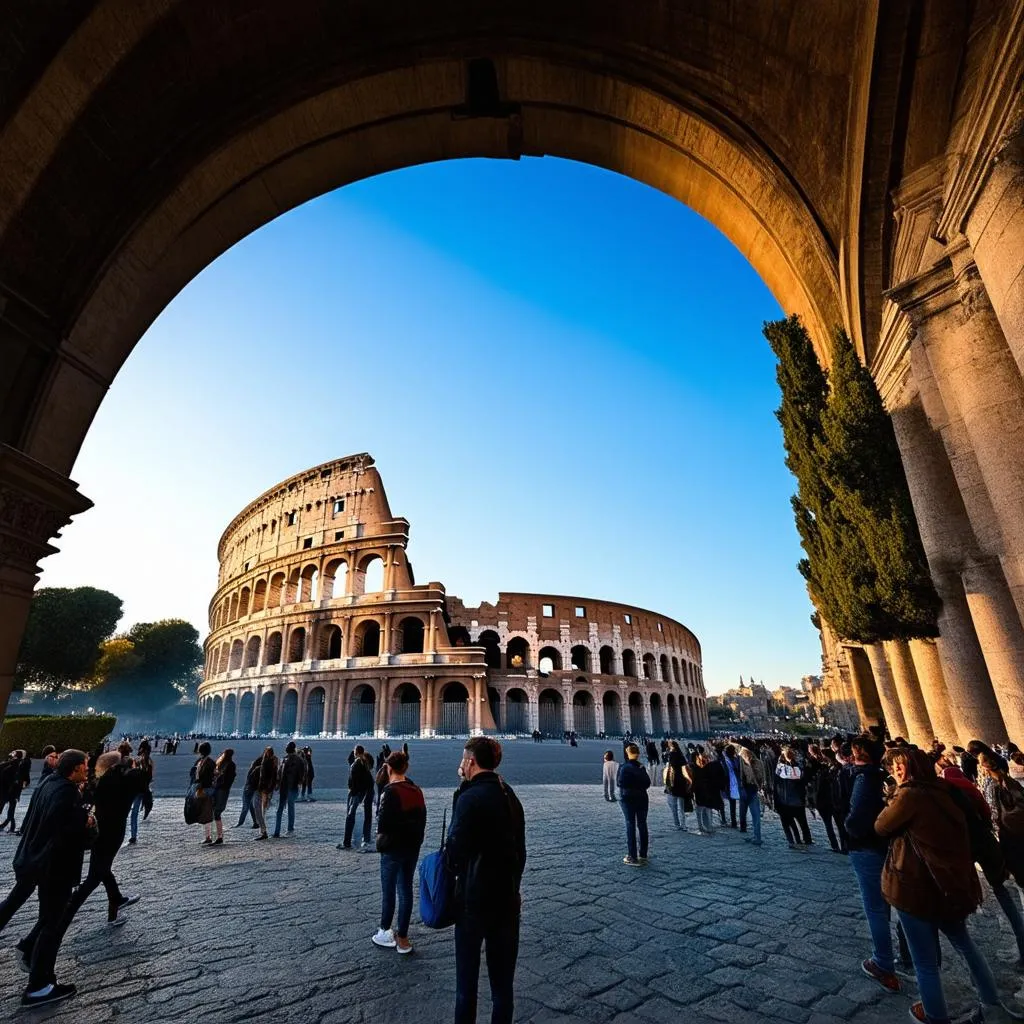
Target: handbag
[(437, 886), (198, 808)]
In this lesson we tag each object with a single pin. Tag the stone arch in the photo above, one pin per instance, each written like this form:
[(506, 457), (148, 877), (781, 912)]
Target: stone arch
[(246, 706), (550, 712), (237, 650), (259, 596), (612, 707), (362, 708), (243, 601), (291, 587), (453, 710), (275, 592), (517, 654), (289, 712), (366, 639), (517, 712), (330, 642), (583, 718), (637, 721), (580, 656), (675, 671), (309, 579), (410, 635), (657, 719), (458, 636), (225, 656), (649, 672), (252, 652), (272, 650), (666, 675), (491, 643), (233, 608), (546, 655), (313, 716), (333, 586), (672, 711), (369, 575), (606, 657), (216, 713), (629, 662), (296, 647), (265, 725), (230, 713), (406, 705)]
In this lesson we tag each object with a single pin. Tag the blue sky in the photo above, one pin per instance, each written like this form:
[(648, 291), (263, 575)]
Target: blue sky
[(560, 373)]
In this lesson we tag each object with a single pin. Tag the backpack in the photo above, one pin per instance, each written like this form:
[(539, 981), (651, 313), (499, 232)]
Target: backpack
[(985, 847), (1010, 800), (437, 887)]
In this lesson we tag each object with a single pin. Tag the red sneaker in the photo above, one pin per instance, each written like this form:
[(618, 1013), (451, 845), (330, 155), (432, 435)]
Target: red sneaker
[(886, 979)]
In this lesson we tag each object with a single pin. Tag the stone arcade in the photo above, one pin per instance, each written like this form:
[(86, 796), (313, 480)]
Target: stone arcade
[(318, 627), (868, 158)]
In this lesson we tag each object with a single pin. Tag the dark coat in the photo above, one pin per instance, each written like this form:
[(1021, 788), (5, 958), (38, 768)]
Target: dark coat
[(360, 778), (202, 772), (866, 804), (486, 849), (224, 777), (707, 784), (53, 834), (113, 795), (401, 820), (293, 768), (633, 782)]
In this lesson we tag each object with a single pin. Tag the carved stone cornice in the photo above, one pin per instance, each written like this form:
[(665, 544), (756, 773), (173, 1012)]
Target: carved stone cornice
[(994, 124), (36, 503), (926, 295)]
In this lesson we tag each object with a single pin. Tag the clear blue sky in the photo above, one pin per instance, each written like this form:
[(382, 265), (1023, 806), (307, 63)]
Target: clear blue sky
[(561, 376)]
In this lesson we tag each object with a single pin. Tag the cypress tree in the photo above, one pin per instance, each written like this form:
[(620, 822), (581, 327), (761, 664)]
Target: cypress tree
[(859, 461)]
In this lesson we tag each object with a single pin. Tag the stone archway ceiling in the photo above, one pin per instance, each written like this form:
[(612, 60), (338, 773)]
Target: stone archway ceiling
[(159, 136)]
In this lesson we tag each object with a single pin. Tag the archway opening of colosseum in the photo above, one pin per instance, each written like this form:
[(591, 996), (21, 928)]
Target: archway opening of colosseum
[(580, 656), (335, 583), (648, 666), (230, 713), (491, 643), (628, 663), (308, 584), (612, 707), (265, 725), (657, 722), (549, 659), (259, 596), (673, 714), (272, 652), (297, 645), (458, 636), (246, 709), (289, 712), (369, 576), (517, 653), (637, 719), (517, 712), (362, 709), (454, 710), (584, 721), (366, 639), (330, 642), (607, 661), (252, 652), (406, 706), (411, 634), (550, 713), (313, 715)]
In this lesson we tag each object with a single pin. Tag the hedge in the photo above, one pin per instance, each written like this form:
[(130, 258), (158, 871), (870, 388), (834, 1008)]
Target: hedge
[(65, 732)]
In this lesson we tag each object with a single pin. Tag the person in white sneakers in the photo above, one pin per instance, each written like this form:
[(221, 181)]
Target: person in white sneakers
[(401, 822)]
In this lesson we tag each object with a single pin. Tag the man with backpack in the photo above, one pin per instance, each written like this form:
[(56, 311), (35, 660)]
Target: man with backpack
[(486, 852), (360, 794)]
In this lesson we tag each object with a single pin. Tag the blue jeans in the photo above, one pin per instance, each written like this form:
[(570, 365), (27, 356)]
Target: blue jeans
[(752, 804), (287, 797), (501, 936), (635, 813), (1010, 902), (396, 873), (923, 939), (355, 801), (677, 805), (867, 866), (136, 807), (247, 797)]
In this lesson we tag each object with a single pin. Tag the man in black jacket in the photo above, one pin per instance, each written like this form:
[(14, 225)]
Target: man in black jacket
[(360, 786), (293, 768), (49, 857), (486, 850)]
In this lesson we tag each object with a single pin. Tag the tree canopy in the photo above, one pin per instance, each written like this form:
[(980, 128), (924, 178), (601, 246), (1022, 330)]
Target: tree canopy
[(65, 629)]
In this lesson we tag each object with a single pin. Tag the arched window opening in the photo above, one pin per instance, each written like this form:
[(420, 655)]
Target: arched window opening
[(673, 714), (296, 649), (367, 639), (648, 666), (458, 636), (454, 711), (517, 712), (330, 642), (549, 660), (291, 590), (583, 721), (275, 594), (550, 717), (272, 652), (265, 725), (236, 655), (217, 717), (362, 707), (308, 584), (246, 706), (313, 719), (675, 672), (289, 713), (259, 596), (637, 722), (243, 602), (233, 613), (335, 578), (230, 714), (657, 720), (491, 644), (517, 654), (629, 663), (665, 675), (410, 636), (405, 711), (580, 659), (611, 706), (252, 652), (369, 577), (607, 658)]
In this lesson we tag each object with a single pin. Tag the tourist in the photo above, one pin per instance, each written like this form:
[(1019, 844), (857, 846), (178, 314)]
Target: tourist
[(12, 781), (653, 759), (306, 795), (609, 773), (201, 776), (633, 782), (49, 857), (486, 850), (265, 786), (249, 792), (751, 783), (706, 780), (293, 768), (400, 826), (731, 790), (790, 800), (50, 758), (117, 785), (930, 880), (678, 792), (144, 762), (821, 775), (360, 789), (223, 779)]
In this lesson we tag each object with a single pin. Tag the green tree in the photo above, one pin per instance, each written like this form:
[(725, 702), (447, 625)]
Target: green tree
[(153, 664), (65, 629), (860, 462)]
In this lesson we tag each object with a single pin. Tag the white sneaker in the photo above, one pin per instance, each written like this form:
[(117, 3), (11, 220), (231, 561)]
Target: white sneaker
[(384, 938), (117, 922)]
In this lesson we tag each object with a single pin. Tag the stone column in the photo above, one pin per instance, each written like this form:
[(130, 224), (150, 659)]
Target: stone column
[(864, 692), (599, 716), (995, 229), (432, 633), (568, 722), (300, 708), (928, 666), (257, 696), (428, 724), (35, 504), (648, 724), (908, 692), (894, 720), (339, 717)]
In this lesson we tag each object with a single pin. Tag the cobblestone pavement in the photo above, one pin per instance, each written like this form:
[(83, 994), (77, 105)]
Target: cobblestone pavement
[(711, 930)]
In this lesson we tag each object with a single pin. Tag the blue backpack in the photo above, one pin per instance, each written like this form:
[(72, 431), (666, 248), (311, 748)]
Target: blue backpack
[(437, 887)]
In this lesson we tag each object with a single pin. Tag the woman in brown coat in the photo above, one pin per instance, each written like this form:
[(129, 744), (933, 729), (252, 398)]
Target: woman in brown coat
[(929, 879)]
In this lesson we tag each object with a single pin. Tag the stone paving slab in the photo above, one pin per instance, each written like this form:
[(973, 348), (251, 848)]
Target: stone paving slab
[(712, 930)]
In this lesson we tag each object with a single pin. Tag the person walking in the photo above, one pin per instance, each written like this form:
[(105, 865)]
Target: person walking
[(201, 775), (49, 858), (306, 795), (360, 789), (249, 792), (401, 822), (930, 880), (293, 768), (12, 781), (678, 792), (633, 782), (790, 796), (224, 774), (731, 790), (819, 768), (117, 785), (265, 786), (144, 762), (486, 851), (751, 783), (609, 773), (706, 779)]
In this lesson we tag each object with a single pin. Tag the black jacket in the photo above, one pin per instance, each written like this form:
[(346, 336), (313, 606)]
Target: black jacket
[(486, 848), (113, 795), (293, 768), (360, 778), (202, 772), (866, 804), (633, 781), (401, 820), (53, 834)]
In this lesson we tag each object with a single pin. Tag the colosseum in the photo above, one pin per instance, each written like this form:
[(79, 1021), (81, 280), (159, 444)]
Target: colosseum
[(318, 628)]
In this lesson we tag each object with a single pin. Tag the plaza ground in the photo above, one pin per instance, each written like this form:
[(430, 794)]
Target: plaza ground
[(712, 930)]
